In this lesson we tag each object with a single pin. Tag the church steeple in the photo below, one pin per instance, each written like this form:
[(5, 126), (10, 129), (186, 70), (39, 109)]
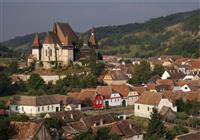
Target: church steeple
[(92, 40), (36, 41)]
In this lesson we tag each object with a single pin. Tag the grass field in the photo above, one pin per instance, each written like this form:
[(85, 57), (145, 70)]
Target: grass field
[(7, 60)]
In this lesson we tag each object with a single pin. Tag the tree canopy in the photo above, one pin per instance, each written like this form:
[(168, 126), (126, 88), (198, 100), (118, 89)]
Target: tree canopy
[(141, 74), (156, 129)]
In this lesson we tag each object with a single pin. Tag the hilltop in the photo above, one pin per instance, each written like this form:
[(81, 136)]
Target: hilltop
[(176, 34)]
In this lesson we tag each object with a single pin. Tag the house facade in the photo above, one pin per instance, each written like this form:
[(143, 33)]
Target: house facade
[(147, 101), (35, 105), (98, 102)]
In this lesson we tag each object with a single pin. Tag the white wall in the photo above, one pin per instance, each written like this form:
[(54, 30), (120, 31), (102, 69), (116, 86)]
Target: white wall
[(36, 53), (132, 97), (33, 110), (143, 110), (166, 102), (165, 75), (137, 137)]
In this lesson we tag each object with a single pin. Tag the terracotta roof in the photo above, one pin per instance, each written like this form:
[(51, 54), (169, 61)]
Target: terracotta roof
[(82, 96), (66, 115), (190, 136), (149, 98), (38, 100), (129, 128), (122, 89), (165, 82), (195, 64), (91, 120), (75, 127), (114, 129), (105, 91), (117, 75), (174, 74), (128, 68), (173, 96), (51, 38), (164, 110), (23, 130), (140, 89), (36, 41), (92, 39)]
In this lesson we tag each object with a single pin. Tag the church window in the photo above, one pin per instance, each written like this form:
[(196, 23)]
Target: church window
[(46, 52), (50, 52)]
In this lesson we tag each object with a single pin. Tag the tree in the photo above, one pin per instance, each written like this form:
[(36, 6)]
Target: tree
[(141, 74), (92, 60), (19, 117), (5, 83), (53, 123), (158, 70), (156, 129), (35, 82), (13, 67), (177, 130), (4, 126)]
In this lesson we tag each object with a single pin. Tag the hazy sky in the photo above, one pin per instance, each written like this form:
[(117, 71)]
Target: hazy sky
[(20, 17)]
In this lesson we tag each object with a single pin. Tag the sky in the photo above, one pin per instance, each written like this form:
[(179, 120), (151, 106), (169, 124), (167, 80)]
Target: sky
[(21, 17)]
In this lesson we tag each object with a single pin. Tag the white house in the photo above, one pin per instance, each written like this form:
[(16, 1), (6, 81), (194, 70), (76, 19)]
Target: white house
[(35, 105), (115, 99), (147, 101), (118, 95)]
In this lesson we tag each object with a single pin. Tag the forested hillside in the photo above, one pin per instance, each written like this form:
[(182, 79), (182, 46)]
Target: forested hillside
[(176, 34)]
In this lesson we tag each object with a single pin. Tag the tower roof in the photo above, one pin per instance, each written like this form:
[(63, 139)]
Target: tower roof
[(92, 40), (51, 38), (65, 33), (36, 41)]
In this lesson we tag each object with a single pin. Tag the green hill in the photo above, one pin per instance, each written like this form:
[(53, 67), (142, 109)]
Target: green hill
[(176, 34)]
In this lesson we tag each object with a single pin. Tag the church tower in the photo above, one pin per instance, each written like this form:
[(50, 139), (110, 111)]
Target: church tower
[(92, 39), (36, 47)]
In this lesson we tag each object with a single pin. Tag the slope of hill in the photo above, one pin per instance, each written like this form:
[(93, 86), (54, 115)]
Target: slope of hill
[(176, 34)]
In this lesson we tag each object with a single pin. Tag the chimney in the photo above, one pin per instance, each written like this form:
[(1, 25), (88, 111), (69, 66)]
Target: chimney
[(71, 116)]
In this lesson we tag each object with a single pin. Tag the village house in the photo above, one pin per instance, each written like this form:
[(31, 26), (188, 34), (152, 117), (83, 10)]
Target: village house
[(66, 116), (147, 101), (126, 129), (115, 77), (117, 95), (28, 131), (35, 105), (172, 74), (105, 96)]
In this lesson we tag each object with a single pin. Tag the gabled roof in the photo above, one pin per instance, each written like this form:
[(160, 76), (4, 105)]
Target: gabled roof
[(36, 41), (23, 130), (149, 98), (91, 120), (67, 115), (117, 75), (38, 100), (65, 33), (51, 38)]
